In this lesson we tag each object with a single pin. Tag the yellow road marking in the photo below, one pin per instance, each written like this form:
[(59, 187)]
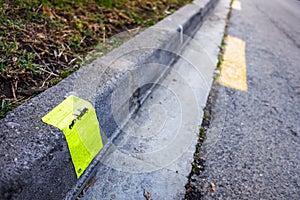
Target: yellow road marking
[(237, 5), (233, 68)]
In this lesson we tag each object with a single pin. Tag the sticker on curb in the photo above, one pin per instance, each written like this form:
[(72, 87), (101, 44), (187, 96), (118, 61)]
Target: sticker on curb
[(78, 121)]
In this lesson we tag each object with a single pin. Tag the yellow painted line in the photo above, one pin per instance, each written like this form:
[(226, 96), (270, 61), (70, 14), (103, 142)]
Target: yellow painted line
[(78, 121), (233, 68), (236, 5)]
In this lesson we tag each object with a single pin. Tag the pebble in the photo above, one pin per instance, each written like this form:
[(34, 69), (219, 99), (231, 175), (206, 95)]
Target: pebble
[(12, 124)]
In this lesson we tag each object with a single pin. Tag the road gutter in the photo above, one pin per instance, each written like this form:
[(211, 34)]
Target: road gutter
[(35, 161)]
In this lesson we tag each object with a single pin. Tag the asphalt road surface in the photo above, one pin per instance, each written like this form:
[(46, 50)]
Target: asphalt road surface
[(252, 150)]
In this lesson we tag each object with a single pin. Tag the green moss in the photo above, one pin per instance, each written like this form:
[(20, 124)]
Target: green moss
[(6, 106), (55, 81), (105, 3), (66, 73)]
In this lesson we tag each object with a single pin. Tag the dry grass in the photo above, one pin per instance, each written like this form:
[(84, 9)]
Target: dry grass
[(42, 43)]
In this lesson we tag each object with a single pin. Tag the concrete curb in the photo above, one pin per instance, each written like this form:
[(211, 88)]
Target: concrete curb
[(35, 161)]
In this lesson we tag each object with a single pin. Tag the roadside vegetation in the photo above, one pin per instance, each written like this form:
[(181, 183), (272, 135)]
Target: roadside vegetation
[(42, 42), (196, 188)]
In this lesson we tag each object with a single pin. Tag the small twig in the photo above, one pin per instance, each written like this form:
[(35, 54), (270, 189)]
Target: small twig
[(68, 46), (104, 35), (62, 64), (42, 69), (46, 80), (38, 9), (55, 54), (21, 29), (80, 58), (16, 84), (128, 30), (137, 30), (32, 80), (60, 53), (23, 100), (66, 58), (13, 91), (40, 58), (82, 40), (72, 61)]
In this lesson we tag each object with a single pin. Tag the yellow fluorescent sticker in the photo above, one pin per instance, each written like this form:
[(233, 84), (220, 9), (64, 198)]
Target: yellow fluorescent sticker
[(78, 121), (233, 68)]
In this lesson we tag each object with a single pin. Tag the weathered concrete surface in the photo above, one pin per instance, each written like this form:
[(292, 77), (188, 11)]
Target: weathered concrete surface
[(155, 148), (35, 162), (252, 148)]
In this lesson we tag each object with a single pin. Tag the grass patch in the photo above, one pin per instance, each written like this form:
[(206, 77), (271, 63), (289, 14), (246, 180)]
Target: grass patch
[(198, 165), (223, 43), (42, 42)]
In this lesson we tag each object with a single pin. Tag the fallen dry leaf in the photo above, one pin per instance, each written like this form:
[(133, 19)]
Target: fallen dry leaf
[(147, 195), (213, 186), (49, 12)]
